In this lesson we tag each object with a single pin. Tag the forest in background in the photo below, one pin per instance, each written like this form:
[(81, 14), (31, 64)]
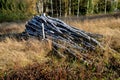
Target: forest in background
[(12, 10)]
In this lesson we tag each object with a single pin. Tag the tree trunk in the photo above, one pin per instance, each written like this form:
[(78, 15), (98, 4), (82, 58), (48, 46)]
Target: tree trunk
[(105, 5), (69, 7), (56, 7), (78, 11), (66, 8), (116, 4), (90, 7), (52, 7), (87, 6), (39, 6), (60, 8)]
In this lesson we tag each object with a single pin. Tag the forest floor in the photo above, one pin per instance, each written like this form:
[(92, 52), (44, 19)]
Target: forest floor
[(34, 60)]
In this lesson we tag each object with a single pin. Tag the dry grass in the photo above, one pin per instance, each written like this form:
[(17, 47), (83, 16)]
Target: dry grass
[(11, 27), (16, 54), (108, 27)]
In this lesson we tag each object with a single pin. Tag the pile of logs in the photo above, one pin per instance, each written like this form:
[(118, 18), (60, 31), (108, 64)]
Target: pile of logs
[(62, 35)]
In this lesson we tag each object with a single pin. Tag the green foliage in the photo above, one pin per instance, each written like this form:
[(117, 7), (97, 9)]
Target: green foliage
[(90, 6), (8, 15), (12, 10), (118, 6), (112, 6)]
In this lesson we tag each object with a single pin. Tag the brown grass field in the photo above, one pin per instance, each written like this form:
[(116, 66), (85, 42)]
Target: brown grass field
[(34, 60)]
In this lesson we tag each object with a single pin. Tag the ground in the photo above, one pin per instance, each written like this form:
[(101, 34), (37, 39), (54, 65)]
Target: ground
[(34, 59)]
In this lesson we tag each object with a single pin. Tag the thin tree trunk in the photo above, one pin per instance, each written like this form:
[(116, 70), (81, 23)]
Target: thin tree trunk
[(92, 4), (39, 6), (66, 8), (97, 8), (116, 4), (69, 7), (52, 7), (60, 8), (57, 7), (105, 5), (73, 9), (88, 6), (42, 6), (78, 11)]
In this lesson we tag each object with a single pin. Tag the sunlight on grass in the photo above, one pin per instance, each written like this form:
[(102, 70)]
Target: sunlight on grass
[(31, 57), (14, 53)]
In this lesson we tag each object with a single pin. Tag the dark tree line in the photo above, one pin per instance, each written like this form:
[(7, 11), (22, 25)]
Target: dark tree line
[(21, 9), (80, 7)]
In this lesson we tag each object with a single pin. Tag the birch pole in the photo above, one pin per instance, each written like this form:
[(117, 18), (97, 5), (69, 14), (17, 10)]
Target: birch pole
[(43, 32)]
